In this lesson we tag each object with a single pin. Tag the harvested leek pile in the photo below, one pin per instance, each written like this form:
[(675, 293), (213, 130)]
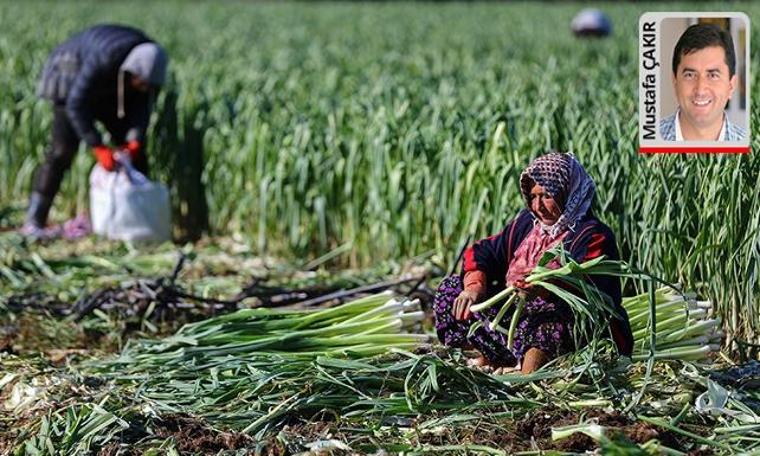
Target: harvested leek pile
[(360, 377)]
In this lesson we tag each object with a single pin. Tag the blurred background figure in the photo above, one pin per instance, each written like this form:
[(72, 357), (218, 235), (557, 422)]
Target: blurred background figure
[(591, 22), (107, 73)]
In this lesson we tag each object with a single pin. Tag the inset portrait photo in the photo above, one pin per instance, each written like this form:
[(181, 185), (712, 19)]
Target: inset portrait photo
[(694, 94)]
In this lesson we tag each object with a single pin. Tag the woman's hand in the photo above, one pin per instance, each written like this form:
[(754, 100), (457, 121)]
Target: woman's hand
[(462, 304), (528, 290), (522, 285)]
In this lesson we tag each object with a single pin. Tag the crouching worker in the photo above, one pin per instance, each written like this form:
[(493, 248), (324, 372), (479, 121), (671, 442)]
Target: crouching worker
[(108, 73), (558, 194)]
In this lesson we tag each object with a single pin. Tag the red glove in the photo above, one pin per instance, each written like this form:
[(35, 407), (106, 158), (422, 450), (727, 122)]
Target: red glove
[(104, 155), (133, 149)]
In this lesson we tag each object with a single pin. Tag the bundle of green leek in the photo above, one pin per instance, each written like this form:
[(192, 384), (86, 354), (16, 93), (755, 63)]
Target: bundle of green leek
[(684, 328), (364, 327), (676, 322)]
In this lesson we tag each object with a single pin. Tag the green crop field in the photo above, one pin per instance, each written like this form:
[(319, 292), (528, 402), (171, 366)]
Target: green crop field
[(399, 129)]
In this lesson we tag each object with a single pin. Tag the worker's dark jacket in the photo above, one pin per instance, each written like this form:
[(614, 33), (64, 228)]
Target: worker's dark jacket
[(589, 239), (83, 74)]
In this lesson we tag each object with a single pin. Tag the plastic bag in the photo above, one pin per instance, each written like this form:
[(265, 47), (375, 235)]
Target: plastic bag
[(125, 205)]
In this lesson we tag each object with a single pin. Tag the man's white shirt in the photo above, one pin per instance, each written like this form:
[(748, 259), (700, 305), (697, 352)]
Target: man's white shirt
[(679, 136)]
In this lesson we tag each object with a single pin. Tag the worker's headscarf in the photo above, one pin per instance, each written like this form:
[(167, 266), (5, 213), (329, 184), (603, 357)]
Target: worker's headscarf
[(148, 61), (566, 181)]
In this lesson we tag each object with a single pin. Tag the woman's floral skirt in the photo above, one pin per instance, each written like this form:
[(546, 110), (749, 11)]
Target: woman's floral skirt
[(543, 324)]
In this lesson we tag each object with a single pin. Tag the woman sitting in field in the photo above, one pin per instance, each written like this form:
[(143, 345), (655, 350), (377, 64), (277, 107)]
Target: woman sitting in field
[(558, 193)]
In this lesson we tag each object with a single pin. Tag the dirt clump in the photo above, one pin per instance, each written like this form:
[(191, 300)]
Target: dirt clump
[(537, 426), (194, 436)]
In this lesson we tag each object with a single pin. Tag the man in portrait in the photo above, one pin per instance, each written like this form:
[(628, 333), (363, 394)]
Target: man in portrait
[(704, 79)]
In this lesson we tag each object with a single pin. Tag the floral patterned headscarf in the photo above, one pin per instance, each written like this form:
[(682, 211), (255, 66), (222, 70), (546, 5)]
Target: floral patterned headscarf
[(566, 181)]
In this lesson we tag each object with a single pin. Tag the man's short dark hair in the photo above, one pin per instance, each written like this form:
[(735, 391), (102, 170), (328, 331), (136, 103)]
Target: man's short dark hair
[(700, 36)]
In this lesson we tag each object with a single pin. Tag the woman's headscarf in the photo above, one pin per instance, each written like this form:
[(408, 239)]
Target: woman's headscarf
[(566, 181)]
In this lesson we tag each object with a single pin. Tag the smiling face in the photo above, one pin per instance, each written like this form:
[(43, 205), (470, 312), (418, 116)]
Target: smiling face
[(703, 86), (543, 205)]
